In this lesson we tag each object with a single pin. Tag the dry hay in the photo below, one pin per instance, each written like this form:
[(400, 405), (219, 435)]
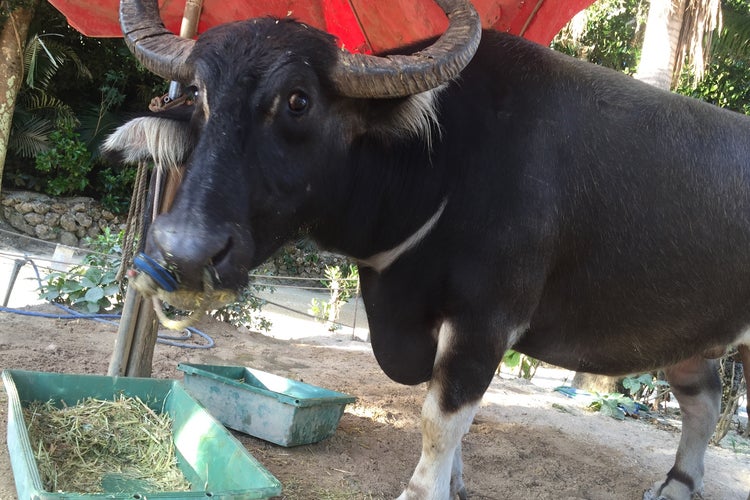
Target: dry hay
[(78, 447)]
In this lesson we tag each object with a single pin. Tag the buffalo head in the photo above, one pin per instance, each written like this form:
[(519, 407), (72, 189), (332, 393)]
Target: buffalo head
[(277, 109)]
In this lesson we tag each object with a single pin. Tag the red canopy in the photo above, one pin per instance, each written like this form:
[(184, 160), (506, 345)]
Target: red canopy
[(360, 25)]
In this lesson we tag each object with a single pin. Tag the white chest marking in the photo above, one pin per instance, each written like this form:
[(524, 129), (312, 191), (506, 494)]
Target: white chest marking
[(381, 261), (744, 338)]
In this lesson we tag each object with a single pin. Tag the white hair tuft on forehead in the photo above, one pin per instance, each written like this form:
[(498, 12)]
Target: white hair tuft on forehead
[(164, 141)]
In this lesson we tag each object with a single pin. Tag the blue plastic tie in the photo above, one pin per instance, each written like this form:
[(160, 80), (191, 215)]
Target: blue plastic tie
[(156, 271)]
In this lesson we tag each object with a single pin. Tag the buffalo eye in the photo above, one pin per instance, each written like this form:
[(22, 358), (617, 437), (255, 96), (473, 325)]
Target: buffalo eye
[(298, 102)]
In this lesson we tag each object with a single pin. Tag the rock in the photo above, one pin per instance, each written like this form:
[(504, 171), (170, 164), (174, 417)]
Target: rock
[(41, 206), (17, 221), (52, 219), (84, 219), (69, 239), (33, 218), (59, 208), (44, 232), (68, 223), (25, 207)]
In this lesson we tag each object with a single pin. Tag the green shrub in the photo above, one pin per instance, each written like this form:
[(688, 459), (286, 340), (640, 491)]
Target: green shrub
[(67, 163), (115, 186)]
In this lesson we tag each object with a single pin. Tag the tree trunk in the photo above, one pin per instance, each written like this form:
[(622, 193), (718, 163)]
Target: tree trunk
[(13, 34), (660, 40), (595, 383)]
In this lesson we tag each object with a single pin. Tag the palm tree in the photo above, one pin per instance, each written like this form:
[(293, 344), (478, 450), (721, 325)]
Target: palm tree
[(678, 34), (15, 18)]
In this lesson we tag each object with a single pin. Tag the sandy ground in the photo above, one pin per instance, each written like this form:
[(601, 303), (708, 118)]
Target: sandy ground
[(527, 441)]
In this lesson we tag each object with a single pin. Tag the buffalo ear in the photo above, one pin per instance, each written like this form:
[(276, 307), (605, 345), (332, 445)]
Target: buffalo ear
[(168, 143)]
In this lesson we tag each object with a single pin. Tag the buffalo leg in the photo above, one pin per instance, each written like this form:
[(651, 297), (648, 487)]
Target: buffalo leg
[(696, 385), (433, 479), (463, 370), (744, 353)]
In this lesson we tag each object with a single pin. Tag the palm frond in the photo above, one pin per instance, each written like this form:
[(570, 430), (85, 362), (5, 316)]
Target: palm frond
[(41, 102), (41, 64), (44, 56), (68, 54), (29, 135), (733, 40), (701, 20)]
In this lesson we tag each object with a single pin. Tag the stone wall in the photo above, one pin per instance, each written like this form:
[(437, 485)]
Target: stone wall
[(59, 220), (304, 261)]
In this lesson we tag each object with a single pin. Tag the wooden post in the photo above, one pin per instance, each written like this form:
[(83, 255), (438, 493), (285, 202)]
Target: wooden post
[(137, 334)]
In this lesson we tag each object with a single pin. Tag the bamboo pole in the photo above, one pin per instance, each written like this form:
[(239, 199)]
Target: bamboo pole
[(138, 331)]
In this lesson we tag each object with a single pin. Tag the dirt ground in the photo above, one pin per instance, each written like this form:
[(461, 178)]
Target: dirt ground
[(526, 442)]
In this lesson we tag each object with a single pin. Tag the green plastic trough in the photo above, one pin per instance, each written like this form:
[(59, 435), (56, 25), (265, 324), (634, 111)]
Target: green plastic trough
[(264, 405), (215, 463)]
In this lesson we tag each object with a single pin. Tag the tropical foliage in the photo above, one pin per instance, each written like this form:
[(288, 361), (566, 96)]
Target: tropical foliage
[(610, 33), (75, 91)]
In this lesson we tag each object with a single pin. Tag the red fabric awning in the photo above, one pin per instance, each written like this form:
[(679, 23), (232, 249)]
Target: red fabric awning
[(360, 25)]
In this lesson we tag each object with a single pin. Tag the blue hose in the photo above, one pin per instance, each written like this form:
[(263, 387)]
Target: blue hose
[(106, 318)]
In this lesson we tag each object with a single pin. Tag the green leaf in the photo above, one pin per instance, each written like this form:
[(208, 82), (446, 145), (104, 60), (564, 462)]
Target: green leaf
[(94, 295), (512, 358), (610, 409), (71, 286), (87, 282), (50, 295), (92, 307)]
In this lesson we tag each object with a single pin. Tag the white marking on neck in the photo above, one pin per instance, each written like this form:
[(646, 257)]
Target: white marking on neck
[(381, 261), (744, 337)]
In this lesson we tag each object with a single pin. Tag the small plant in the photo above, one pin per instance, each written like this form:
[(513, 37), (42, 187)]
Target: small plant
[(615, 405), (645, 388), (343, 283), (245, 311), (92, 285), (526, 365)]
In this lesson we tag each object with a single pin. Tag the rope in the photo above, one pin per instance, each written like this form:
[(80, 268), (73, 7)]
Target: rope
[(134, 225)]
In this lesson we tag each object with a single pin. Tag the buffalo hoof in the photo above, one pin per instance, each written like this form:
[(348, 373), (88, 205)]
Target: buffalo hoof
[(651, 494)]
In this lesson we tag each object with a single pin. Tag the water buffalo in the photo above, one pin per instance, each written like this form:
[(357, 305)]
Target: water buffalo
[(495, 194)]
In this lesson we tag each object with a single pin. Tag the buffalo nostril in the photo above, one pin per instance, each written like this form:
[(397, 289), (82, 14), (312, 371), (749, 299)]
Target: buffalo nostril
[(188, 250), (223, 253)]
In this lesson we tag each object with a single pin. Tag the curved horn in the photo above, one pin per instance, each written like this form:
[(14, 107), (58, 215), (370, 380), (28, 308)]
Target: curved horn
[(161, 51), (365, 76)]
